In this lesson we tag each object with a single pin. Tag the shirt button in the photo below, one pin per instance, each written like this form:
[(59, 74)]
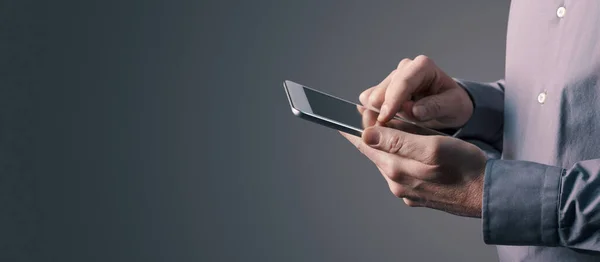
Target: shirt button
[(542, 97), (560, 12)]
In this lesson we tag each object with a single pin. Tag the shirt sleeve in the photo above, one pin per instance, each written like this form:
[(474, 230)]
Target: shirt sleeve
[(487, 121), (526, 203)]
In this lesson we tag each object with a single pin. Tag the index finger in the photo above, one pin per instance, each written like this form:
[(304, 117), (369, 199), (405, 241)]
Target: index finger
[(372, 96), (402, 86)]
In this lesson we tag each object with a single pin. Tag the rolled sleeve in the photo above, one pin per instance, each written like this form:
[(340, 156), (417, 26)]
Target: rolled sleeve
[(520, 203)]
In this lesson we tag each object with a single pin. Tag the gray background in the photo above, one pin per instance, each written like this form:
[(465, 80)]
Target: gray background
[(151, 130)]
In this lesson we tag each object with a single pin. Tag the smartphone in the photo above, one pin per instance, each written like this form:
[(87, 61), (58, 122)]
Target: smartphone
[(342, 115)]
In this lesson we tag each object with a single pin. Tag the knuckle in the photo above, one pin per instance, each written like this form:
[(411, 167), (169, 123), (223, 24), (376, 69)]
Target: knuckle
[(428, 171), (403, 62), (417, 185), (387, 166), (435, 149), (395, 176), (373, 95), (364, 97), (423, 60), (408, 78), (411, 203), (395, 173), (395, 143), (375, 99), (398, 190)]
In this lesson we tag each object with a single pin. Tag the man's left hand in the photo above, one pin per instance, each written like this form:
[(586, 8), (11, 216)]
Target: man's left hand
[(438, 172)]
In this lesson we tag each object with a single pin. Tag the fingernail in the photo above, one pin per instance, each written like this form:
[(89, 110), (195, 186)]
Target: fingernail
[(371, 137), (382, 113), (420, 112)]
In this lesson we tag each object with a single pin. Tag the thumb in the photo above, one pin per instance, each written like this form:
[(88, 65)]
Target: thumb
[(398, 142), (431, 107)]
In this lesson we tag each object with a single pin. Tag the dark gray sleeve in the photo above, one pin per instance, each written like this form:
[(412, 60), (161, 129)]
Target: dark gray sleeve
[(487, 120), (526, 203)]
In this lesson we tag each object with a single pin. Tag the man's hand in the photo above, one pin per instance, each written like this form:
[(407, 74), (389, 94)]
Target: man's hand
[(420, 91), (439, 172)]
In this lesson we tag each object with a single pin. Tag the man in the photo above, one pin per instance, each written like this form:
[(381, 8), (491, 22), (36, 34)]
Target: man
[(541, 200)]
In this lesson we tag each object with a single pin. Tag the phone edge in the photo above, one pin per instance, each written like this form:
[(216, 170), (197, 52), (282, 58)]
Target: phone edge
[(317, 119)]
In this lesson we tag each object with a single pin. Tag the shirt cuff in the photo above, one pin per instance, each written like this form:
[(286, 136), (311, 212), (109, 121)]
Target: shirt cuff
[(486, 121), (520, 203)]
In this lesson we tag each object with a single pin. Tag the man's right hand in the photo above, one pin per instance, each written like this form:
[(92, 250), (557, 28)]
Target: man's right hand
[(420, 91)]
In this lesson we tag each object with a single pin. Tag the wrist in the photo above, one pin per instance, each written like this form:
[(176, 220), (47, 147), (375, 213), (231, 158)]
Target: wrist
[(474, 188), (467, 104), (475, 197)]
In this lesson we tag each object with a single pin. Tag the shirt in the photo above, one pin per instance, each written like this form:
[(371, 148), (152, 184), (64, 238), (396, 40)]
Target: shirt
[(542, 197)]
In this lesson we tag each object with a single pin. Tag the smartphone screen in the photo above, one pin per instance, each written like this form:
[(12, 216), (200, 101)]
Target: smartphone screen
[(335, 109), (357, 117)]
